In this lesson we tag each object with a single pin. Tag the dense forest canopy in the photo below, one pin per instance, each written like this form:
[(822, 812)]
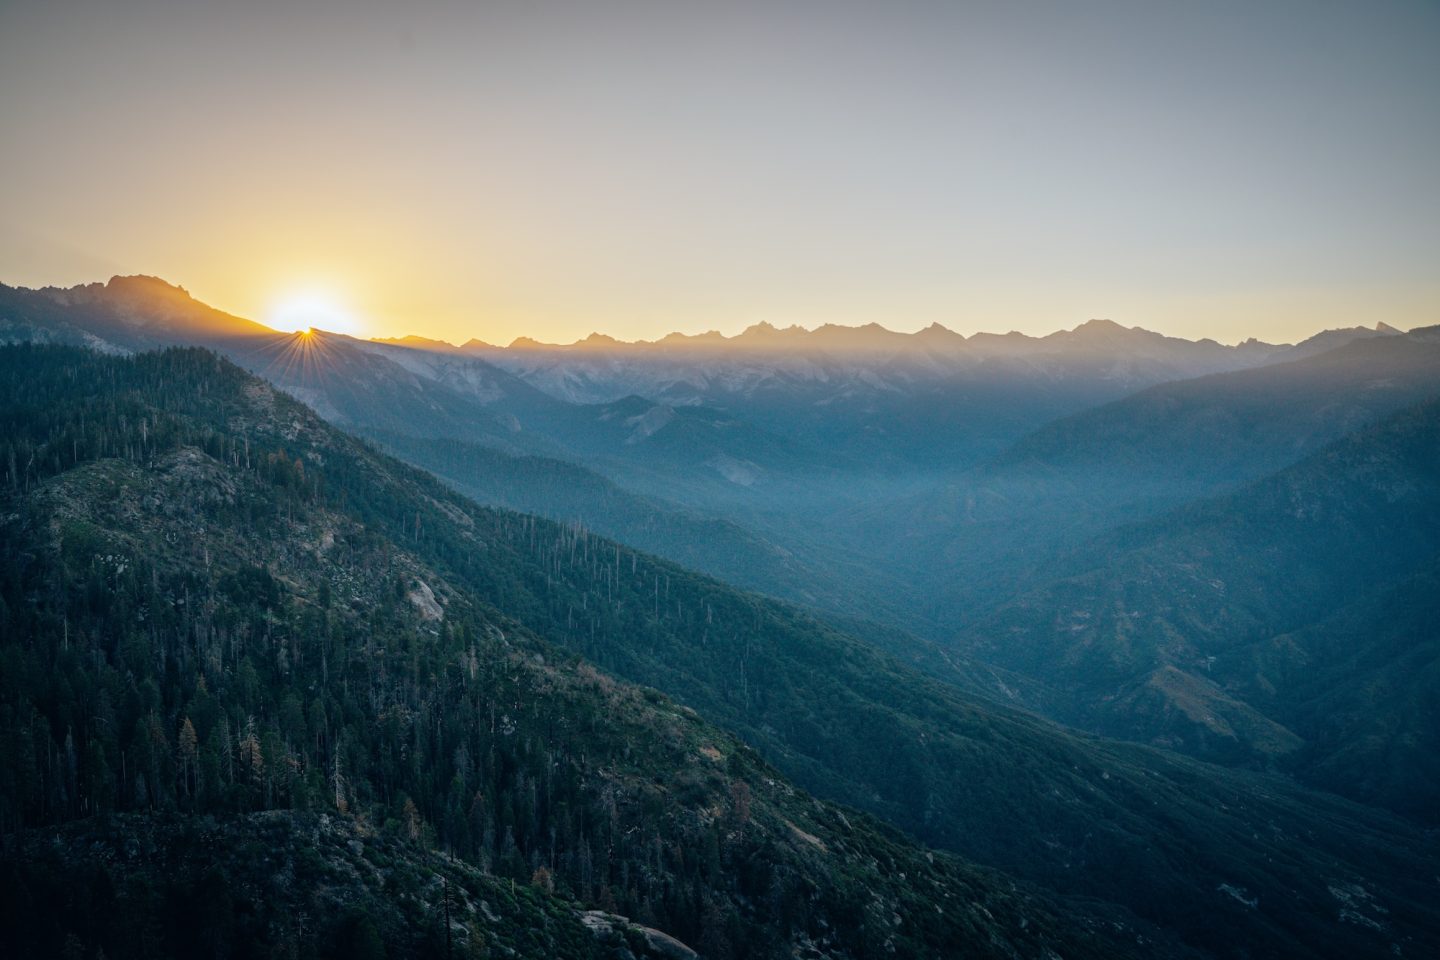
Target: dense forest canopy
[(201, 619), (215, 604)]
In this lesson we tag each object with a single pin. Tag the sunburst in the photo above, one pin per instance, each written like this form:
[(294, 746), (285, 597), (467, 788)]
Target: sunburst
[(310, 310)]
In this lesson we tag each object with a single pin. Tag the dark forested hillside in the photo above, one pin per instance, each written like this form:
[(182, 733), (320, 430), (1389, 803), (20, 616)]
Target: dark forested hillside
[(216, 603), (1283, 623), (203, 617), (280, 883), (1362, 686)]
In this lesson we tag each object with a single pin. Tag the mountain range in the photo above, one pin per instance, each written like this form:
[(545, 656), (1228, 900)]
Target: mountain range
[(784, 629)]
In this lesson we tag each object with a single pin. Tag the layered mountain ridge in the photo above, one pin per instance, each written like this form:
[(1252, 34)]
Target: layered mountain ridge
[(1052, 522), (179, 461)]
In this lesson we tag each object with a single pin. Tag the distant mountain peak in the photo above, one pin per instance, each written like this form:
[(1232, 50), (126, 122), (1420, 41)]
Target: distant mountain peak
[(763, 328), (709, 336), (1338, 337), (414, 340), (144, 283), (139, 311), (767, 329), (1101, 326), (146, 292), (937, 332)]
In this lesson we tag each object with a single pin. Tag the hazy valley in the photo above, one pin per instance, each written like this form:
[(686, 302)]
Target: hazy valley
[(913, 556)]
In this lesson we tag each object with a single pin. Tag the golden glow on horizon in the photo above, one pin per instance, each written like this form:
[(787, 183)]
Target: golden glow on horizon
[(307, 311), (493, 171), (389, 310)]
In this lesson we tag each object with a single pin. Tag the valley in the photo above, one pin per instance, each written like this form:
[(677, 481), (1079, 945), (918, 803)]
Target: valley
[(944, 732)]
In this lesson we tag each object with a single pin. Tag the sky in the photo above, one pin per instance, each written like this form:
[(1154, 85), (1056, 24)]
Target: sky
[(457, 170)]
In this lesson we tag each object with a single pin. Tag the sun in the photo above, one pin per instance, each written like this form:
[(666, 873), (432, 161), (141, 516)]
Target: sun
[(305, 312)]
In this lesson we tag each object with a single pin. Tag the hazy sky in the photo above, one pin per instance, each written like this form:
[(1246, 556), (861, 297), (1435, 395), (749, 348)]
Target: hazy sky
[(1201, 168)]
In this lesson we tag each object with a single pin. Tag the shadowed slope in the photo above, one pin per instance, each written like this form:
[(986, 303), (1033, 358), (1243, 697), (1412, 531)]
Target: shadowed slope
[(1221, 859)]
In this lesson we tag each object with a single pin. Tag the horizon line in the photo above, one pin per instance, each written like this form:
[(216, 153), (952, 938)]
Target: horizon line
[(713, 337)]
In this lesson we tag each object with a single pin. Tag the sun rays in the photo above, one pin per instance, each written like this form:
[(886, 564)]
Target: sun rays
[(304, 358)]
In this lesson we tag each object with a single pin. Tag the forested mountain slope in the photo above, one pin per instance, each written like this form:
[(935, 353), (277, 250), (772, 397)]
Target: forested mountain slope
[(373, 623), (1264, 623), (205, 614), (1363, 687), (737, 554), (280, 883)]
